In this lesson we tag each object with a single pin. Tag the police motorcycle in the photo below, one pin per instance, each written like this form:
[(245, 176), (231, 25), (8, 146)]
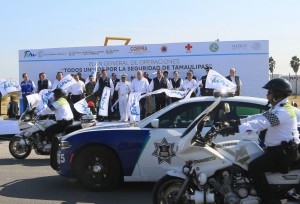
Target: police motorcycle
[(217, 172), (32, 127)]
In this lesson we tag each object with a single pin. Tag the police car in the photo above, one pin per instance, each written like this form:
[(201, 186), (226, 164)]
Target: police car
[(101, 156)]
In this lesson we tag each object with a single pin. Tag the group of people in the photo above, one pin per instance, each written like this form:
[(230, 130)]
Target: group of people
[(120, 89)]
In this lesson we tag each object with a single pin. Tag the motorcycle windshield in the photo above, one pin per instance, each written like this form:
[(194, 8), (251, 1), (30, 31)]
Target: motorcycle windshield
[(184, 144)]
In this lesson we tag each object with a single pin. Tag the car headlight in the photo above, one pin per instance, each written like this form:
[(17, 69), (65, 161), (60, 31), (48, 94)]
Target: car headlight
[(64, 144)]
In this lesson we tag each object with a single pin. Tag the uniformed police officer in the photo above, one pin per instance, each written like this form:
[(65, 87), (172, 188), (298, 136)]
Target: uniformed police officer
[(123, 89), (63, 115), (281, 138)]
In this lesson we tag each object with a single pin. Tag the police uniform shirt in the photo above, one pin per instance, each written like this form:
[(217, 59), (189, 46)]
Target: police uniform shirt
[(139, 85), (111, 87), (77, 88), (123, 89), (62, 110), (280, 121)]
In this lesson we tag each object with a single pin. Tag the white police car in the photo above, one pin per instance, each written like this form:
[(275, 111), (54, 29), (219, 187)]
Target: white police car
[(101, 156)]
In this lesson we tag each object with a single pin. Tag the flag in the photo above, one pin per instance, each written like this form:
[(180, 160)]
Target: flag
[(133, 106), (8, 86), (192, 90), (65, 83), (33, 99), (45, 96), (93, 73), (216, 81), (82, 107), (175, 93), (103, 106)]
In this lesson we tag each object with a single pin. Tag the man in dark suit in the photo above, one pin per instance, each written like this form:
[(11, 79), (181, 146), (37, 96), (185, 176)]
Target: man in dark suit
[(236, 80), (204, 91), (115, 80)]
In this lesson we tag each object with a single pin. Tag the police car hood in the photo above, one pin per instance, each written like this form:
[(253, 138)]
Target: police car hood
[(103, 126)]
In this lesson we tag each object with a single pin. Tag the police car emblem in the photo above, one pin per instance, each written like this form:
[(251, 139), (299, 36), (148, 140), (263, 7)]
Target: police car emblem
[(164, 151)]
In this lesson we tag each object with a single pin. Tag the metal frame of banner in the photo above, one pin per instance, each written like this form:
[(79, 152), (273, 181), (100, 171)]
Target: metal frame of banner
[(127, 40)]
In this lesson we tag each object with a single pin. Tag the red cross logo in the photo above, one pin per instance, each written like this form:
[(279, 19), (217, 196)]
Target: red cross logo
[(188, 48)]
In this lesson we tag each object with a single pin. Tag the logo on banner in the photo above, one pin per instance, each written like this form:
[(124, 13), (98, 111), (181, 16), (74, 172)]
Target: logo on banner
[(164, 151), (41, 54), (188, 48), (28, 54), (241, 46), (214, 47), (138, 49), (164, 49), (7, 85), (109, 52), (256, 46)]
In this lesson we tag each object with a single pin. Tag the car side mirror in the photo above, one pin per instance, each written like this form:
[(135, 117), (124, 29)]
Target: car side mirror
[(155, 123), (226, 107)]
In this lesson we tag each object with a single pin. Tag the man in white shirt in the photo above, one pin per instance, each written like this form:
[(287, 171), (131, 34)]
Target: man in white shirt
[(59, 76), (160, 82), (123, 89), (140, 84), (236, 80), (189, 83), (77, 92)]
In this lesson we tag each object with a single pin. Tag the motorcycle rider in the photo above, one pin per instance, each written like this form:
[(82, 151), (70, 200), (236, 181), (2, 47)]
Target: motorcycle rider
[(63, 114), (281, 138)]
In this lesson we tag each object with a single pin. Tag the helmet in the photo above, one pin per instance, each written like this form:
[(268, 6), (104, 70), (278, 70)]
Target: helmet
[(58, 93), (280, 87)]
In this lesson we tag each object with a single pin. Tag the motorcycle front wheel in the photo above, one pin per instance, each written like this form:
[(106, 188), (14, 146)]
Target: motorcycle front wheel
[(17, 150), (166, 190)]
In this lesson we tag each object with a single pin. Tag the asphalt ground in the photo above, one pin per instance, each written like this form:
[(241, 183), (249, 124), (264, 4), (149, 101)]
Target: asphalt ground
[(32, 180)]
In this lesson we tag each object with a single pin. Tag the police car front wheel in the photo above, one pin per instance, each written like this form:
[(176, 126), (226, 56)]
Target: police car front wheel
[(97, 168)]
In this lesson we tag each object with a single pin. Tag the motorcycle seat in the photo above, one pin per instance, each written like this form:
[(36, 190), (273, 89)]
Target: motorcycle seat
[(296, 164)]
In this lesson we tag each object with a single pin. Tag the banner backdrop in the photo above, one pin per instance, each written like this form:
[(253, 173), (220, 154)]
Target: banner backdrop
[(250, 58)]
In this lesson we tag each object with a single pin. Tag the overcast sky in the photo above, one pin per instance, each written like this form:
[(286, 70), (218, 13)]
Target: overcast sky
[(37, 24)]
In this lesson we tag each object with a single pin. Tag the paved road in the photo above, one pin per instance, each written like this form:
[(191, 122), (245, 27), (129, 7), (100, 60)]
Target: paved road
[(33, 181)]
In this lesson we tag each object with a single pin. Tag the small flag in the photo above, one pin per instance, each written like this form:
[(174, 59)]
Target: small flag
[(133, 106), (216, 81), (8, 86), (82, 107), (103, 106)]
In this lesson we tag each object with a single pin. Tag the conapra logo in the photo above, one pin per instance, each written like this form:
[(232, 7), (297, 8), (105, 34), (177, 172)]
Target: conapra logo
[(28, 54)]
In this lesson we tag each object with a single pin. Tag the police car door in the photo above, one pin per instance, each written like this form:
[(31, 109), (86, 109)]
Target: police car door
[(160, 151)]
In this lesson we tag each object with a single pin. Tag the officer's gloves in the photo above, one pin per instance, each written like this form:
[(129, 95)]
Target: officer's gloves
[(231, 128)]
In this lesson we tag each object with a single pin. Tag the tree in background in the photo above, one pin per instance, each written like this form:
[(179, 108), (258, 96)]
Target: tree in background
[(295, 65), (272, 63)]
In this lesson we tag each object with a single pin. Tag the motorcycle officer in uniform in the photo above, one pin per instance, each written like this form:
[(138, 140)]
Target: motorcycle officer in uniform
[(63, 114), (281, 137)]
